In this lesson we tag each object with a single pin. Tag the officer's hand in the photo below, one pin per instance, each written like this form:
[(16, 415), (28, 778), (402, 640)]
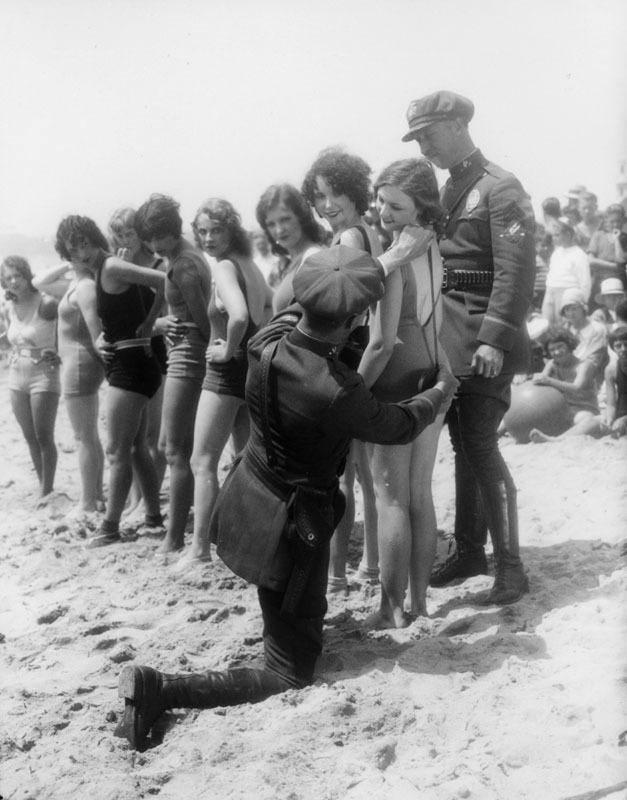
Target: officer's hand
[(447, 383), (487, 361), (411, 243)]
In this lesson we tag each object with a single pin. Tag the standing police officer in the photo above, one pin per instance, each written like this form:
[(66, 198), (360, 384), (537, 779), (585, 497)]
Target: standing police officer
[(489, 266)]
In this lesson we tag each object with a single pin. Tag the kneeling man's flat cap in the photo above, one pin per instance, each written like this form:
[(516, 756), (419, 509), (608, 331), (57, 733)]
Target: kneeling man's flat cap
[(338, 282), (434, 107)]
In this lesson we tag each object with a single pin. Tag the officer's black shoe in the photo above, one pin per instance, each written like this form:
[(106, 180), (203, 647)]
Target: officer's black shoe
[(460, 564), (141, 688), (510, 585)]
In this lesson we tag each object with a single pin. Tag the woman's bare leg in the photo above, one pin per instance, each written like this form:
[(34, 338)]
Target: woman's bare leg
[(123, 415), (390, 471), (20, 403), (214, 422), (369, 566), (179, 412), (422, 515), (83, 415), (44, 407), (338, 554), (144, 467)]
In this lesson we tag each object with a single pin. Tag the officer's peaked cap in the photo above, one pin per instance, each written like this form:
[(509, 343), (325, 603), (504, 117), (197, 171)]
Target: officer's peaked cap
[(338, 282), (434, 107)]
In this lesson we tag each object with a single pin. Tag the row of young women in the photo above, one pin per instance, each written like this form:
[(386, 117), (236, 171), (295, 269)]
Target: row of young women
[(117, 310)]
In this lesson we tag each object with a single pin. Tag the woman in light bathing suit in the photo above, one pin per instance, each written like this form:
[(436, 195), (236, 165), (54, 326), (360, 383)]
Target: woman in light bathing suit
[(403, 347), (34, 365), (82, 370), (127, 307)]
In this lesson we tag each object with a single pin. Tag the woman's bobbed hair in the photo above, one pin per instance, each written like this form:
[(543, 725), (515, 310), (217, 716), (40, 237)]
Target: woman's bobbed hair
[(345, 173), (291, 198), (158, 217), (415, 177), (221, 211), (73, 229), (21, 266)]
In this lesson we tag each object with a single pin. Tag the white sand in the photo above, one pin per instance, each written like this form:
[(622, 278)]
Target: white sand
[(526, 701)]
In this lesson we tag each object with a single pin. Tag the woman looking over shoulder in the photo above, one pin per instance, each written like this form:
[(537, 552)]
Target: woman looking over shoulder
[(33, 366), (285, 217), (187, 291), (403, 347), (127, 307), (82, 370), (240, 303), (337, 185)]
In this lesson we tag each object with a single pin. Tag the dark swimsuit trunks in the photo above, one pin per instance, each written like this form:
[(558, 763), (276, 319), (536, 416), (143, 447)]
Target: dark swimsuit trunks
[(134, 369)]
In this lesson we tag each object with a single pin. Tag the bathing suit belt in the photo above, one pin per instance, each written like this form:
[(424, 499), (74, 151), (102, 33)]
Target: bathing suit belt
[(125, 344), (34, 353)]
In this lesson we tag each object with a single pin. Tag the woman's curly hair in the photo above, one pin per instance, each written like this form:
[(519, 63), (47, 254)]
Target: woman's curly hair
[(415, 177), (293, 200), (345, 174), (222, 211), (557, 333), (73, 229), (21, 266)]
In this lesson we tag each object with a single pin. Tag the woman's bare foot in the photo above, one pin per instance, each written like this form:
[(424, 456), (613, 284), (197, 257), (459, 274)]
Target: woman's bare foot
[(382, 620), (197, 554)]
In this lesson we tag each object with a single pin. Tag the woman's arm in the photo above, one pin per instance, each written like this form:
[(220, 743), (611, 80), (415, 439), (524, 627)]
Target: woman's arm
[(54, 281), (234, 302), (86, 301), (118, 272), (383, 330), (611, 399), (584, 379), (185, 276)]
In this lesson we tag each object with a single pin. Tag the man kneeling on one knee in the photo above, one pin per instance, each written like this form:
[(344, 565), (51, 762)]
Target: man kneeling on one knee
[(280, 503)]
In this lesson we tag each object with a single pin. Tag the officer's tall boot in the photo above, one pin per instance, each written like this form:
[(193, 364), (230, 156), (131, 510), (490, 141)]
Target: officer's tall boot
[(148, 693), (471, 533), (501, 510)]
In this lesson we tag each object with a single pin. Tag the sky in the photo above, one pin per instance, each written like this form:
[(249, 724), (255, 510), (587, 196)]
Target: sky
[(106, 101)]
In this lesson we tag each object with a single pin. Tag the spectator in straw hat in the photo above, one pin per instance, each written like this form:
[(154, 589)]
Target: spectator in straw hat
[(609, 296)]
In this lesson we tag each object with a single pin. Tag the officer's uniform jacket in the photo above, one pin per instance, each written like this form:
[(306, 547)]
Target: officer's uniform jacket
[(488, 251), (319, 405)]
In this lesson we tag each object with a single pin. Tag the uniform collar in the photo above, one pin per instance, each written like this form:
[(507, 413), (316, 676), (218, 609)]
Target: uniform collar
[(469, 164), (317, 346)]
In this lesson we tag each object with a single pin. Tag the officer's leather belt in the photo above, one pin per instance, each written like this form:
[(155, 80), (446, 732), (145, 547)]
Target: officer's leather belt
[(467, 279)]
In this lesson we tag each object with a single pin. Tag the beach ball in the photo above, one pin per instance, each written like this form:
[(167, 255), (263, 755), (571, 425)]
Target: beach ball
[(541, 407)]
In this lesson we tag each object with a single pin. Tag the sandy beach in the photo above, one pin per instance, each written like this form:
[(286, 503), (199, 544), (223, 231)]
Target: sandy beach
[(525, 701)]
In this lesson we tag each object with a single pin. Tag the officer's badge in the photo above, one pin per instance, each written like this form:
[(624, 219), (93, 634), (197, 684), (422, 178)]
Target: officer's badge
[(472, 201)]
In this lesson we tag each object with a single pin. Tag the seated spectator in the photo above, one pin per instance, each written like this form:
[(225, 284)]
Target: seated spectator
[(568, 269), (607, 300), (604, 251), (616, 384), (591, 335), (590, 219), (574, 378)]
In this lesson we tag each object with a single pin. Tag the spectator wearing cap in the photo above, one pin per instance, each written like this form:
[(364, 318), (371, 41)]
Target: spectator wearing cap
[(572, 199), (489, 261), (590, 218), (568, 269), (280, 502), (551, 212), (606, 256), (591, 335)]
